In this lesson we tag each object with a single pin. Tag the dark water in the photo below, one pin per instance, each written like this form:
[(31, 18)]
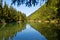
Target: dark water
[(29, 31)]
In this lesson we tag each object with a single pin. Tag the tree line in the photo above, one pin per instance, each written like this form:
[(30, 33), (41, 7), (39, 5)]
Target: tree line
[(49, 11), (9, 14)]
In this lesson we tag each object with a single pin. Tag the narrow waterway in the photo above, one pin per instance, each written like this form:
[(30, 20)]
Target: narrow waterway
[(29, 31), (29, 34)]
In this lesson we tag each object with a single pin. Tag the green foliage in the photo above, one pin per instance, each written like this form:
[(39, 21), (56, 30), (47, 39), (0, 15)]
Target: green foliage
[(11, 15), (47, 12)]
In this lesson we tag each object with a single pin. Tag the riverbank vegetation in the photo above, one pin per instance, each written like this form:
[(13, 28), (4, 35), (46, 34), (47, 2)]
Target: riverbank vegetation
[(9, 14), (48, 12)]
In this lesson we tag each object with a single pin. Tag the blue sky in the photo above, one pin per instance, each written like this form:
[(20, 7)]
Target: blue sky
[(23, 8)]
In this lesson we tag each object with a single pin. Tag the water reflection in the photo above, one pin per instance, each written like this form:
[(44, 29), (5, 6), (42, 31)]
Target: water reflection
[(49, 30), (29, 34), (31, 31), (10, 30)]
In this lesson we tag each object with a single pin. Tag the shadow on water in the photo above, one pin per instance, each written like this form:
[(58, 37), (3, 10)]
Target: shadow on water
[(49, 30)]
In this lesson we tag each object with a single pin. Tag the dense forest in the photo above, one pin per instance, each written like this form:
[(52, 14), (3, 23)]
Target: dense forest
[(44, 23), (49, 11), (9, 14)]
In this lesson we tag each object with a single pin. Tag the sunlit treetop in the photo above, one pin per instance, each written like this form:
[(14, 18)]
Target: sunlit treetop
[(28, 3)]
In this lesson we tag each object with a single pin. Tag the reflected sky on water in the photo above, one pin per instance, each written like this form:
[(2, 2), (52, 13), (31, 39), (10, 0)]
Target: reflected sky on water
[(30, 31), (29, 34)]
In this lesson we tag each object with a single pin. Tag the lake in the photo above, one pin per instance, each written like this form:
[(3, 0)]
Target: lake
[(29, 31)]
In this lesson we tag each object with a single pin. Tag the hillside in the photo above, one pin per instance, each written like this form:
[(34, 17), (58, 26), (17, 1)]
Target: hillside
[(10, 14), (46, 12)]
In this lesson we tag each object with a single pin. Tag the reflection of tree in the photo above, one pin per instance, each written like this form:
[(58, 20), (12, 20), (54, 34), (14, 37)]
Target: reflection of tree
[(10, 30), (50, 31)]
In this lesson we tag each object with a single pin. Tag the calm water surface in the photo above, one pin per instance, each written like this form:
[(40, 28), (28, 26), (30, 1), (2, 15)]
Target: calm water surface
[(31, 31)]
